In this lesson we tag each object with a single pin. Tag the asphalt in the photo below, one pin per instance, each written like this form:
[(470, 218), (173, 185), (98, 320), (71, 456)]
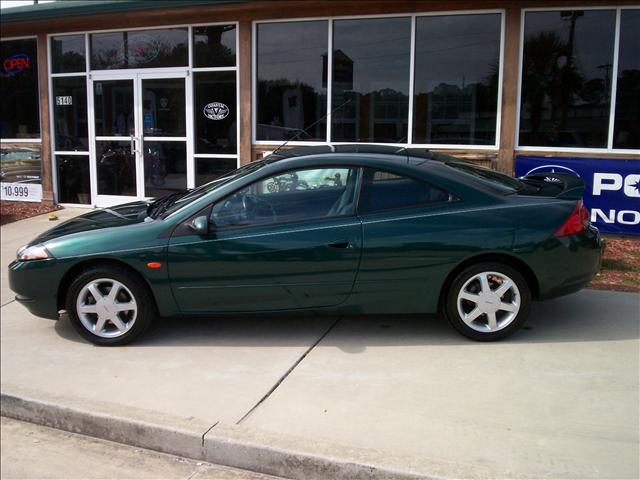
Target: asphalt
[(352, 397)]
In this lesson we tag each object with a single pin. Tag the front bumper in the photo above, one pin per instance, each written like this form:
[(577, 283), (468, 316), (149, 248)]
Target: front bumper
[(35, 284)]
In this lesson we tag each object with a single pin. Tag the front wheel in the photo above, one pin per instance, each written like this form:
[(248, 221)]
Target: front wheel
[(109, 306), (488, 301)]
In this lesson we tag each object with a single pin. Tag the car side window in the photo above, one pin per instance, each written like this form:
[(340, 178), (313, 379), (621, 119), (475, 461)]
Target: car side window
[(382, 190), (291, 196)]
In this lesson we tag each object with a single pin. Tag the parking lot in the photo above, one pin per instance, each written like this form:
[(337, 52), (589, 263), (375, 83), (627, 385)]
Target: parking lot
[(558, 399)]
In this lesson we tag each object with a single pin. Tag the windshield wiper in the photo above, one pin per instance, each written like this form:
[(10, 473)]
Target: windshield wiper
[(159, 205)]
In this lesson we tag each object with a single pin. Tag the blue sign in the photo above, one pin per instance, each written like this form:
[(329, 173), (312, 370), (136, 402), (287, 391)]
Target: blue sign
[(612, 192)]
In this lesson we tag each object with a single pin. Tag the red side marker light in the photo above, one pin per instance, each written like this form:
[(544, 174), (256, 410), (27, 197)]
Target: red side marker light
[(154, 264)]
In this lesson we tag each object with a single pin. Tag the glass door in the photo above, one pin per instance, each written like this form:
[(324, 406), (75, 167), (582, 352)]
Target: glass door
[(163, 136), (140, 136)]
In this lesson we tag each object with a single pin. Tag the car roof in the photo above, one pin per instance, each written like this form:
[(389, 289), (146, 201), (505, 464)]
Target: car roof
[(396, 154)]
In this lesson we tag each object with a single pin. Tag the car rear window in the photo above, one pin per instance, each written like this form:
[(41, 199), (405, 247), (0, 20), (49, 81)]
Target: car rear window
[(382, 190), (488, 176)]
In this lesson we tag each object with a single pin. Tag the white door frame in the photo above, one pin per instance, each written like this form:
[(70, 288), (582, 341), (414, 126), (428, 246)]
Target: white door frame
[(137, 76)]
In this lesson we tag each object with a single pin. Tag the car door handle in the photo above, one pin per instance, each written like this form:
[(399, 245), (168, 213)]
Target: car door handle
[(339, 244)]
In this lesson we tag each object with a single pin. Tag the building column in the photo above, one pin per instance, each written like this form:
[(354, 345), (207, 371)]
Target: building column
[(45, 120), (508, 132), (244, 64)]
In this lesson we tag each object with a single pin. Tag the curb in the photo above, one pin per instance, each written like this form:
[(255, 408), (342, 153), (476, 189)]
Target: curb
[(228, 445)]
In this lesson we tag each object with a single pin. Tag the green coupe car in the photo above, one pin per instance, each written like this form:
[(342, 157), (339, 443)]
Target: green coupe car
[(349, 229)]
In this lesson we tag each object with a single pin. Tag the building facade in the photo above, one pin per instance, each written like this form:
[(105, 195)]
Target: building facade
[(105, 102)]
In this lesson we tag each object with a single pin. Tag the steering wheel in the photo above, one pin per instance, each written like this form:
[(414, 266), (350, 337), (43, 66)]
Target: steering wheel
[(252, 204)]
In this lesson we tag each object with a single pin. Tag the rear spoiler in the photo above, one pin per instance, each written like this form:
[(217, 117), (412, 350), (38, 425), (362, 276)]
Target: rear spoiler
[(570, 186)]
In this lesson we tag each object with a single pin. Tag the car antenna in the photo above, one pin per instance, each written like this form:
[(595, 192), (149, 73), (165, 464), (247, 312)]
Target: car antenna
[(307, 128)]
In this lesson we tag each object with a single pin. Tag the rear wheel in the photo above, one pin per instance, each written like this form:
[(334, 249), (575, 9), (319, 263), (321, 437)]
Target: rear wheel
[(109, 306), (488, 301)]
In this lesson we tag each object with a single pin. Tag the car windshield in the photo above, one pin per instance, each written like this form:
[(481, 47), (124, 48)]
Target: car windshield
[(488, 175), (179, 201)]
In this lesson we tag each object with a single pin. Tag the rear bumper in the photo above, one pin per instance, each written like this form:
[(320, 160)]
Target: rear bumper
[(571, 263), (35, 284)]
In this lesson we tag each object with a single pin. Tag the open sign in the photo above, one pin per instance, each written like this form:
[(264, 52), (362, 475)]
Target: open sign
[(15, 64)]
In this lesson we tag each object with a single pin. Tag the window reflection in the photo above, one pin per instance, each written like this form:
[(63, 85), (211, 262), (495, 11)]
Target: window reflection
[(371, 70), (457, 67), (627, 118), (116, 168), (139, 49), (165, 168), (70, 113), (214, 46), (208, 169), (113, 105), (73, 179), (163, 107), (291, 87), (566, 78), (67, 54)]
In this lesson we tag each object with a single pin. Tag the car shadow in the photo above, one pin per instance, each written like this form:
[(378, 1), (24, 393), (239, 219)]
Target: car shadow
[(587, 317)]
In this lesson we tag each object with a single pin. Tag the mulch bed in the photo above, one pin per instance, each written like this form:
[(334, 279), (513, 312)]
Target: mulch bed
[(13, 211), (620, 266)]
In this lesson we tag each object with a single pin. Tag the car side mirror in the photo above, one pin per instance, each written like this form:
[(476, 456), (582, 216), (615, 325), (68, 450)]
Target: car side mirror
[(200, 225)]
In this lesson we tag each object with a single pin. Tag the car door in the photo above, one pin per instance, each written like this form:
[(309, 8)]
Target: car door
[(406, 251), (289, 241)]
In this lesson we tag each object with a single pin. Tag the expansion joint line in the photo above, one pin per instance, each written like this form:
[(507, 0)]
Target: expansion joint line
[(291, 369), (208, 430)]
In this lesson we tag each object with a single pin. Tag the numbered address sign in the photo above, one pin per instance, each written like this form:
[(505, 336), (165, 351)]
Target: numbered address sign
[(64, 100)]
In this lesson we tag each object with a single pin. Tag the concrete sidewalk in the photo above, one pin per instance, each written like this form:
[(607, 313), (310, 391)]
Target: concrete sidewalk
[(372, 396)]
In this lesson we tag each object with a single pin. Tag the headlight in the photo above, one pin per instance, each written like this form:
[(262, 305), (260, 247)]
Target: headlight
[(34, 252)]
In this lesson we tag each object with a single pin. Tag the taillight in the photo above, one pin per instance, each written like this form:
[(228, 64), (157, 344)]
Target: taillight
[(577, 221)]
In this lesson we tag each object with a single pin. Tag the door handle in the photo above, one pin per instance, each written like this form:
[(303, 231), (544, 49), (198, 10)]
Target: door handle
[(339, 244), (133, 145)]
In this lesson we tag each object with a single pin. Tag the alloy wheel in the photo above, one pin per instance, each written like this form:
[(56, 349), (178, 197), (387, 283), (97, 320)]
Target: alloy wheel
[(106, 308), (488, 302)]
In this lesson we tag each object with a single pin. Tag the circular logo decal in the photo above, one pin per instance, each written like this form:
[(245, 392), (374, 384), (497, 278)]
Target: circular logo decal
[(142, 48), (552, 169), (215, 111)]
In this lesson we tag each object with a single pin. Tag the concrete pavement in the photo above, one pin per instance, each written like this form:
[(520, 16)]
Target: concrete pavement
[(33, 451), (407, 394)]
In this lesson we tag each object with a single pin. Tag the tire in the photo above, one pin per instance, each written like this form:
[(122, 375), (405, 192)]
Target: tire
[(488, 315), (109, 321)]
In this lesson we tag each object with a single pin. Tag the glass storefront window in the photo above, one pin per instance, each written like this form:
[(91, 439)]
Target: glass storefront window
[(165, 168), (371, 71), (163, 107), (291, 61), (116, 168), (214, 46), (626, 132), (113, 108), (457, 67), (68, 54), (215, 112), (208, 169), (73, 179), (566, 78), (19, 113), (140, 49), (70, 113)]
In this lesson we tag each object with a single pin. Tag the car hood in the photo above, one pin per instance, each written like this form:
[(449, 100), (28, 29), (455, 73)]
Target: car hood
[(118, 216)]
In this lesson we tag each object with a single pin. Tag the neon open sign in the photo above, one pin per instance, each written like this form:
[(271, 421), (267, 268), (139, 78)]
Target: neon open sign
[(15, 64)]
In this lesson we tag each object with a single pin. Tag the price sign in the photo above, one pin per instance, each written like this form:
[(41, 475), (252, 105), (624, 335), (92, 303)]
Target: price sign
[(23, 192)]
